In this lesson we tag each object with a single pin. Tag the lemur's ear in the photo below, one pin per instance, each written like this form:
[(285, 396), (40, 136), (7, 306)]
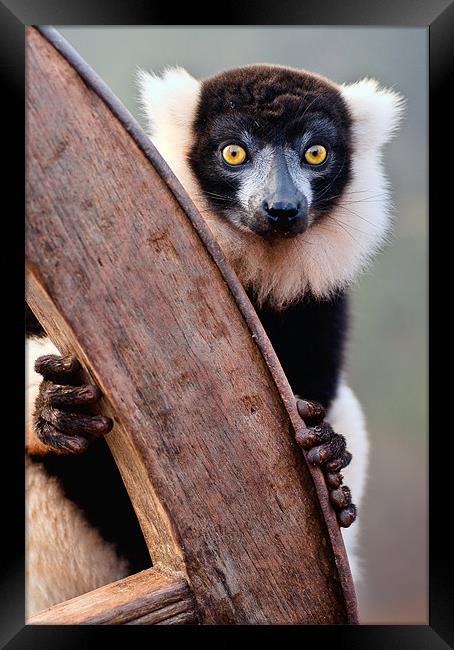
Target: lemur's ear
[(168, 101), (376, 111)]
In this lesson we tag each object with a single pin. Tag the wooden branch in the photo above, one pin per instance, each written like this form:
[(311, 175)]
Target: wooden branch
[(145, 598), (123, 272)]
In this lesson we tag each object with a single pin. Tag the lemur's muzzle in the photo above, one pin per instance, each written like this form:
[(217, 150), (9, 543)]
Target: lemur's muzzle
[(285, 207)]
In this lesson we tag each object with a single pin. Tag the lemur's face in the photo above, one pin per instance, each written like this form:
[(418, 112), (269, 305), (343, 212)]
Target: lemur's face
[(271, 149)]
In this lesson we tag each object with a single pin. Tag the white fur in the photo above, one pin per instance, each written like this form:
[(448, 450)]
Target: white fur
[(169, 104), (346, 418), (330, 254), (376, 113)]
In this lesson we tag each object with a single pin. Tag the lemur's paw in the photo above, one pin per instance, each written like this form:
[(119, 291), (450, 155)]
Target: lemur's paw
[(62, 418), (328, 450)]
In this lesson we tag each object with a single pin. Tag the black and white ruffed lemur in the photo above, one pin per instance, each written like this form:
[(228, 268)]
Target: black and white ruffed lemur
[(285, 167)]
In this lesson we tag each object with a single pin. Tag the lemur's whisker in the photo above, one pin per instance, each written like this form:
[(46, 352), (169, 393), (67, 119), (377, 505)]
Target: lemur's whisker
[(335, 177), (346, 228), (356, 214), (349, 225), (357, 191), (366, 199)]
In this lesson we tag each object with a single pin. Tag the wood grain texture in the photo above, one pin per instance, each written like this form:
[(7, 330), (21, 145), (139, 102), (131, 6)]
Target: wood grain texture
[(118, 275), (145, 598)]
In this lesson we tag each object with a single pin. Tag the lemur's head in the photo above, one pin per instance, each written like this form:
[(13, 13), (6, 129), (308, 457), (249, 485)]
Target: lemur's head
[(285, 167)]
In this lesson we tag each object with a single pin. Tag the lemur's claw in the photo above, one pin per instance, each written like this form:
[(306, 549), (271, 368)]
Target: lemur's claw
[(328, 450), (62, 418)]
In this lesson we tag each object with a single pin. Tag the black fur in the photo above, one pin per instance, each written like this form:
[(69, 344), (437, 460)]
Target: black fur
[(309, 338), (33, 327)]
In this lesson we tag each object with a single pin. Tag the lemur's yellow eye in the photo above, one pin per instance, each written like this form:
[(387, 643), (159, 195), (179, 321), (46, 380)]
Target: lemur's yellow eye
[(315, 154), (234, 154)]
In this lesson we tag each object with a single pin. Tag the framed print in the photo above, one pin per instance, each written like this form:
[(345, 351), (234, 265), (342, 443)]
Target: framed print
[(369, 74)]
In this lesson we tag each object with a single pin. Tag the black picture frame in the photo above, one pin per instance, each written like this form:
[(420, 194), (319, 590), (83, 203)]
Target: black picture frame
[(435, 15)]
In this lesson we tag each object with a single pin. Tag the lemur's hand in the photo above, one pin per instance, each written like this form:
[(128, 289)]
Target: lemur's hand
[(62, 419), (328, 450)]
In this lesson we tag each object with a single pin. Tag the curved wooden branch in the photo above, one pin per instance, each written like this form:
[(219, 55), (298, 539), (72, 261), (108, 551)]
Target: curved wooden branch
[(123, 272)]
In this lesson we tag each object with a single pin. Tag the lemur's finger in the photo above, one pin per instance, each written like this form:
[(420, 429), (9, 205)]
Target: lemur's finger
[(319, 455), (66, 396), (341, 497), (77, 423), (333, 479), (316, 435), (58, 441), (307, 438), (347, 516), (310, 412), (51, 366), (339, 463), (332, 449)]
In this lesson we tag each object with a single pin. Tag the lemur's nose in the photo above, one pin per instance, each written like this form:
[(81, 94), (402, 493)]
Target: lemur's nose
[(282, 214)]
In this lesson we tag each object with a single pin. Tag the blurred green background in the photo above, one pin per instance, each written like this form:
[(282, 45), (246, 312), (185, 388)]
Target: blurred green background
[(387, 360)]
